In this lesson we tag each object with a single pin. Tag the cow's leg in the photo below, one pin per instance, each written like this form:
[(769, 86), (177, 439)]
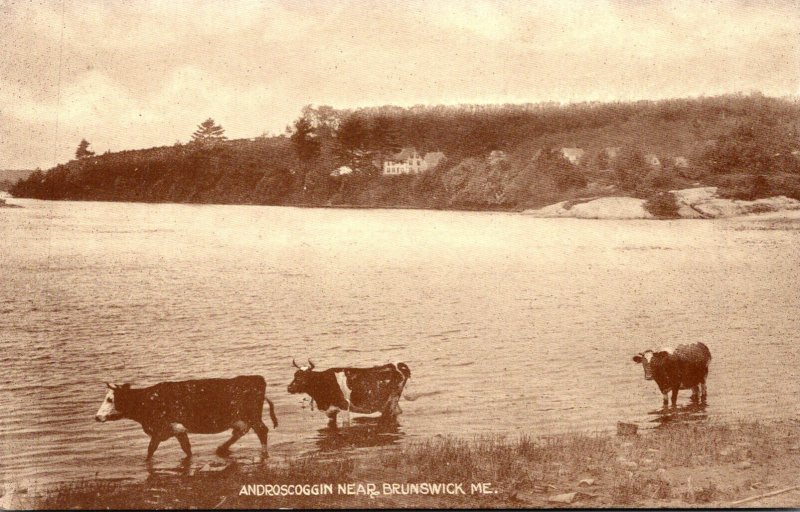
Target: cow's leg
[(183, 438), (346, 422), (674, 396), (331, 414), (179, 431), (392, 410), (240, 428), (262, 432), (695, 393), (151, 448), (665, 395), (703, 391)]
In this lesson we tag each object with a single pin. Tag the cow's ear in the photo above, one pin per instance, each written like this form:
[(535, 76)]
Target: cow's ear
[(637, 358), (662, 353)]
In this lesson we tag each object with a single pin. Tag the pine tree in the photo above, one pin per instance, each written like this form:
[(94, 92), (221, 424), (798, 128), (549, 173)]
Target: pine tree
[(208, 131), (83, 150)]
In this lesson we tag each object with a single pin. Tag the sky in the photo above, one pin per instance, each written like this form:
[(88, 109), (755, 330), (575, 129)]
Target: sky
[(132, 74)]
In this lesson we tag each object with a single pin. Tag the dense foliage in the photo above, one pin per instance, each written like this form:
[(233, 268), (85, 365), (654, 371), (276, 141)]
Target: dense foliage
[(747, 144)]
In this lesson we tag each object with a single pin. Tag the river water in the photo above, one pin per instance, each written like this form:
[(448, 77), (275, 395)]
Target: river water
[(510, 324)]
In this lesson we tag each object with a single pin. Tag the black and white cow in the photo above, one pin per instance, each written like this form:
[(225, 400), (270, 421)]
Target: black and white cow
[(358, 390), (683, 368), (204, 406)]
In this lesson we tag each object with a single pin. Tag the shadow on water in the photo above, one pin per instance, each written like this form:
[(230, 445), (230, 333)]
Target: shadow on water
[(363, 432), (668, 416)]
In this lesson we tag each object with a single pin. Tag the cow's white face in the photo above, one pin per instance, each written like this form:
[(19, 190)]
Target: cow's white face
[(108, 410), (646, 358)]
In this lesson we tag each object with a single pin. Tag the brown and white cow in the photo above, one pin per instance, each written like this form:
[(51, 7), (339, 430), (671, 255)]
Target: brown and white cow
[(685, 367), (204, 406), (358, 390)]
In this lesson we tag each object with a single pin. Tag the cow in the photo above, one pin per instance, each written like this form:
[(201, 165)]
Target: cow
[(683, 368), (358, 390), (204, 406)]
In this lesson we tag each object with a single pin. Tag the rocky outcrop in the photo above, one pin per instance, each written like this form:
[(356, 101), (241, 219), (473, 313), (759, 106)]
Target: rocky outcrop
[(692, 203), (705, 203), (598, 208)]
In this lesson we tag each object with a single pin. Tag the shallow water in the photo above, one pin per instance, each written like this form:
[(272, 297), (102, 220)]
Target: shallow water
[(509, 323)]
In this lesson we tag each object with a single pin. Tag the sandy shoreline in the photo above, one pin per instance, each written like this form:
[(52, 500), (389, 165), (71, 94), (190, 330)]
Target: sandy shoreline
[(684, 465)]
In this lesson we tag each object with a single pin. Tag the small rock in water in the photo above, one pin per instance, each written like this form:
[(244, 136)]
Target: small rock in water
[(794, 448), (744, 465), (630, 465), (563, 498), (586, 482), (725, 452), (653, 450)]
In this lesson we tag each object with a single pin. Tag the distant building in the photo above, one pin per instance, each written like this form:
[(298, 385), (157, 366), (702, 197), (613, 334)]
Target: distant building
[(342, 171), (409, 161), (574, 155), (652, 160), (497, 156), (680, 162)]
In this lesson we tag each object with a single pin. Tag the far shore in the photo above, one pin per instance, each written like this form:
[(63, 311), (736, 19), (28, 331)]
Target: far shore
[(692, 203), (696, 464)]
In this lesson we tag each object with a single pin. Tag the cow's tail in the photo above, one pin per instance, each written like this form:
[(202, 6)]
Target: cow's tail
[(404, 369), (272, 413)]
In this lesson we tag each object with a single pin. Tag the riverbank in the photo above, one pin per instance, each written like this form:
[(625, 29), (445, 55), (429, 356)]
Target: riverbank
[(685, 465)]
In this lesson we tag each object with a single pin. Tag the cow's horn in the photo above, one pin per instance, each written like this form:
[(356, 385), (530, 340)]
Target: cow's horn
[(310, 365), (295, 364), (111, 386)]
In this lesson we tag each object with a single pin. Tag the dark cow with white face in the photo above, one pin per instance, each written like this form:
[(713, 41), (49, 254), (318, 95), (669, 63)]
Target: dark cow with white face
[(204, 406), (686, 367), (358, 390)]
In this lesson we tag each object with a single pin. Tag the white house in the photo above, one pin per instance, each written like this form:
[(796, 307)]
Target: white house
[(409, 161), (574, 155), (497, 156), (680, 162), (652, 160), (341, 171)]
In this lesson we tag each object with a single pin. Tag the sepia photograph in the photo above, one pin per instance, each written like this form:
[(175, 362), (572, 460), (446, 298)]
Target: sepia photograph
[(374, 254)]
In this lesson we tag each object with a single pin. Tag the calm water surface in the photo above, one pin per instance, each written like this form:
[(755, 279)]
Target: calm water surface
[(509, 323)]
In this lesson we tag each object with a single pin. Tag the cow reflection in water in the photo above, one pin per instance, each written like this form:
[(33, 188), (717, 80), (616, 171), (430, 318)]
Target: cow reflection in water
[(364, 432), (690, 413)]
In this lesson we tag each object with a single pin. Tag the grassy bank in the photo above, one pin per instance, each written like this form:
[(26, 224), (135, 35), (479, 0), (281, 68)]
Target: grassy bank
[(700, 464)]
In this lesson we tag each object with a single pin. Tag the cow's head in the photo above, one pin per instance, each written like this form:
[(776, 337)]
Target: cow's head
[(108, 409), (649, 358), (301, 378)]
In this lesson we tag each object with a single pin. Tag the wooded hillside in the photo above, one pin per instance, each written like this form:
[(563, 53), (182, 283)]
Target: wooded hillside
[(747, 144)]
